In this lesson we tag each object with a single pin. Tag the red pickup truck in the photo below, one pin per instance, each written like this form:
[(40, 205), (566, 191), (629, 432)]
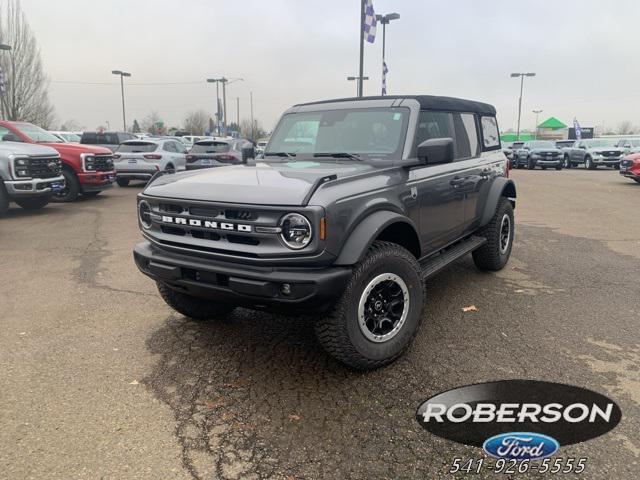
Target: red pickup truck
[(87, 169)]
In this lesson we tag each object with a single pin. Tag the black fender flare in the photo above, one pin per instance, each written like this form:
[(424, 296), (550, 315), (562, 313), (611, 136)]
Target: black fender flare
[(366, 232), (502, 187)]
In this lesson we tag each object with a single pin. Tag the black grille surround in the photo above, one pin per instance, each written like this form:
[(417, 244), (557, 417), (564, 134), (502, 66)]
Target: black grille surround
[(626, 163), (241, 231), (610, 154), (44, 167), (103, 163)]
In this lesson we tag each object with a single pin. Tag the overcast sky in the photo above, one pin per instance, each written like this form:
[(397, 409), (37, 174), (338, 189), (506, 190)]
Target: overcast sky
[(585, 54)]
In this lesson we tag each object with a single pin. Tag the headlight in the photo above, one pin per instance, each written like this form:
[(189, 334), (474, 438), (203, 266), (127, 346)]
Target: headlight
[(144, 214), (596, 155), (20, 167), (88, 163), (296, 231)]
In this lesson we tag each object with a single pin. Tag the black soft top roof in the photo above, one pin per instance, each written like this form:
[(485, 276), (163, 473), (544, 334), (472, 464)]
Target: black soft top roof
[(427, 102)]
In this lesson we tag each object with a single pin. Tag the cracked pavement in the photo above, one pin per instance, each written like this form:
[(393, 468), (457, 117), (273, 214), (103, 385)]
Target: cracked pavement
[(101, 380)]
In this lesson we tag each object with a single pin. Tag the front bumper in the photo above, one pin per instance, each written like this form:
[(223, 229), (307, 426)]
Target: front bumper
[(34, 187), (96, 181), (136, 174), (260, 288), (547, 162), (630, 171), (606, 161)]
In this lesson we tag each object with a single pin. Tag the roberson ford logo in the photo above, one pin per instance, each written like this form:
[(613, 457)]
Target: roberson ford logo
[(521, 446), (519, 419)]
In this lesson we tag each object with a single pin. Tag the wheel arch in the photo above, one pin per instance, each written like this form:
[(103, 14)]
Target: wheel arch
[(380, 225), (502, 187)]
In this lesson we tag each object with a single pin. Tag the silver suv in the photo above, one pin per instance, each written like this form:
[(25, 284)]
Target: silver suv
[(29, 175), (142, 159)]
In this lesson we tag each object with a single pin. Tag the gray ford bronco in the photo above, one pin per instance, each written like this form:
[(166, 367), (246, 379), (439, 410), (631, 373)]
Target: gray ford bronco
[(29, 175), (354, 204)]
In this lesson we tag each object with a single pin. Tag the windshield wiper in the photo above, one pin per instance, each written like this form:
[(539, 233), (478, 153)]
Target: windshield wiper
[(352, 156), (279, 154)]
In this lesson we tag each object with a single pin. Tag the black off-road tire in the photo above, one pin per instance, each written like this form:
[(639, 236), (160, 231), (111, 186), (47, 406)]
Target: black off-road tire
[(530, 164), (567, 162), (193, 307), (558, 167), (35, 203), (339, 331), (71, 188), (122, 182), (492, 256), (4, 200), (637, 180)]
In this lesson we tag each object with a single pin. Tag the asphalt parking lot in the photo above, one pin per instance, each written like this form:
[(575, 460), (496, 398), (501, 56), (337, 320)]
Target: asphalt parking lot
[(101, 380)]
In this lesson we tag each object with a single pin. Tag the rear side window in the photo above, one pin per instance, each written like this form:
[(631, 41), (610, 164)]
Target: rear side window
[(137, 147), (100, 138), (490, 133), (466, 135), (210, 147)]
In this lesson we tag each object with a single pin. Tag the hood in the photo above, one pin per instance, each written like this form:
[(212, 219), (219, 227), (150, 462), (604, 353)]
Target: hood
[(287, 183), (21, 148), (605, 149), (546, 150), (76, 148)]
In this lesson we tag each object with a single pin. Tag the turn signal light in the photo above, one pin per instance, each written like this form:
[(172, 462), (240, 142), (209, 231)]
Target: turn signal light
[(323, 228)]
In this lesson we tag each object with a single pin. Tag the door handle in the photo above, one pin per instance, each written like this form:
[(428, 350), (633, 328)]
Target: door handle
[(456, 182)]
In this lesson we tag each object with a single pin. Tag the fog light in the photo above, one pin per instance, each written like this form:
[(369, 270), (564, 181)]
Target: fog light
[(285, 288)]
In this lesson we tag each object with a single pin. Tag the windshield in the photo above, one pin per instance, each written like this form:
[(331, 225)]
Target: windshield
[(37, 134), (374, 132), (210, 147), (566, 143), (542, 145), (598, 143), (137, 147), (70, 137), (100, 138)]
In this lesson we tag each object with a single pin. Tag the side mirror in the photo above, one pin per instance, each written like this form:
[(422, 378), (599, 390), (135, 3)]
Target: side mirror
[(10, 137), (247, 153), (436, 150)]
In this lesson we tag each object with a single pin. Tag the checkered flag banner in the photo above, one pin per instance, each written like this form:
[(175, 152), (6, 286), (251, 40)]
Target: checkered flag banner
[(369, 26), (385, 70)]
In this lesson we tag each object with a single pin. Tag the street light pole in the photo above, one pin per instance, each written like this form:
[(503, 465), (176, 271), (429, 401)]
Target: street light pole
[(238, 112), (122, 75), (385, 19), (253, 136), (537, 112), (521, 75), (358, 87), (361, 32)]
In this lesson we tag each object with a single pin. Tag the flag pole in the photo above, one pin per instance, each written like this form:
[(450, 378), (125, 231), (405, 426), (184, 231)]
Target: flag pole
[(361, 74)]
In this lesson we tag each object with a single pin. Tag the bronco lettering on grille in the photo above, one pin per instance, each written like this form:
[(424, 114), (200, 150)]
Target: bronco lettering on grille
[(195, 222)]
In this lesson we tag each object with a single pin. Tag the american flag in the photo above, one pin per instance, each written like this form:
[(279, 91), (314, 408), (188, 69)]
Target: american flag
[(385, 70), (369, 27)]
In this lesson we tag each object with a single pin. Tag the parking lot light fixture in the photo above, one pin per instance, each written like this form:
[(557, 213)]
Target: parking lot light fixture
[(537, 112), (385, 19), (357, 86), (122, 75), (4, 46), (521, 75)]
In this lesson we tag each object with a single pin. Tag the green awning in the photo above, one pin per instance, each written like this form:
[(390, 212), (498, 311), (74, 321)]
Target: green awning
[(553, 123), (511, 137)]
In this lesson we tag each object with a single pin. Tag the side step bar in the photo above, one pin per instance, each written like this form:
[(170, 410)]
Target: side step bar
[(434, 263)]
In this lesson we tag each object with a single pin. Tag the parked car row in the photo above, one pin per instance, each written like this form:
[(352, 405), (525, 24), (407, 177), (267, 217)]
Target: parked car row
[(37, 167), (591, 153)]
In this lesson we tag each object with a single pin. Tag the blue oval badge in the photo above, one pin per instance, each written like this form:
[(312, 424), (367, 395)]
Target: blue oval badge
[(521, 446)]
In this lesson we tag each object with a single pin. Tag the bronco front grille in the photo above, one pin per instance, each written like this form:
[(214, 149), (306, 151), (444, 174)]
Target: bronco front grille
[(44, 167)]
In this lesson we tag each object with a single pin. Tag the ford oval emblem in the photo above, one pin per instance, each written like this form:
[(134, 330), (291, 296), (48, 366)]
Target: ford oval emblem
[(521, 446)]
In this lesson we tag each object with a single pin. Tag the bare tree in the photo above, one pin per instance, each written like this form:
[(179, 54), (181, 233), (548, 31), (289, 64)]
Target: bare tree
[(626, 128), (250, 133), (25, 97), (71, 125), (152, 123), (196, 122)]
